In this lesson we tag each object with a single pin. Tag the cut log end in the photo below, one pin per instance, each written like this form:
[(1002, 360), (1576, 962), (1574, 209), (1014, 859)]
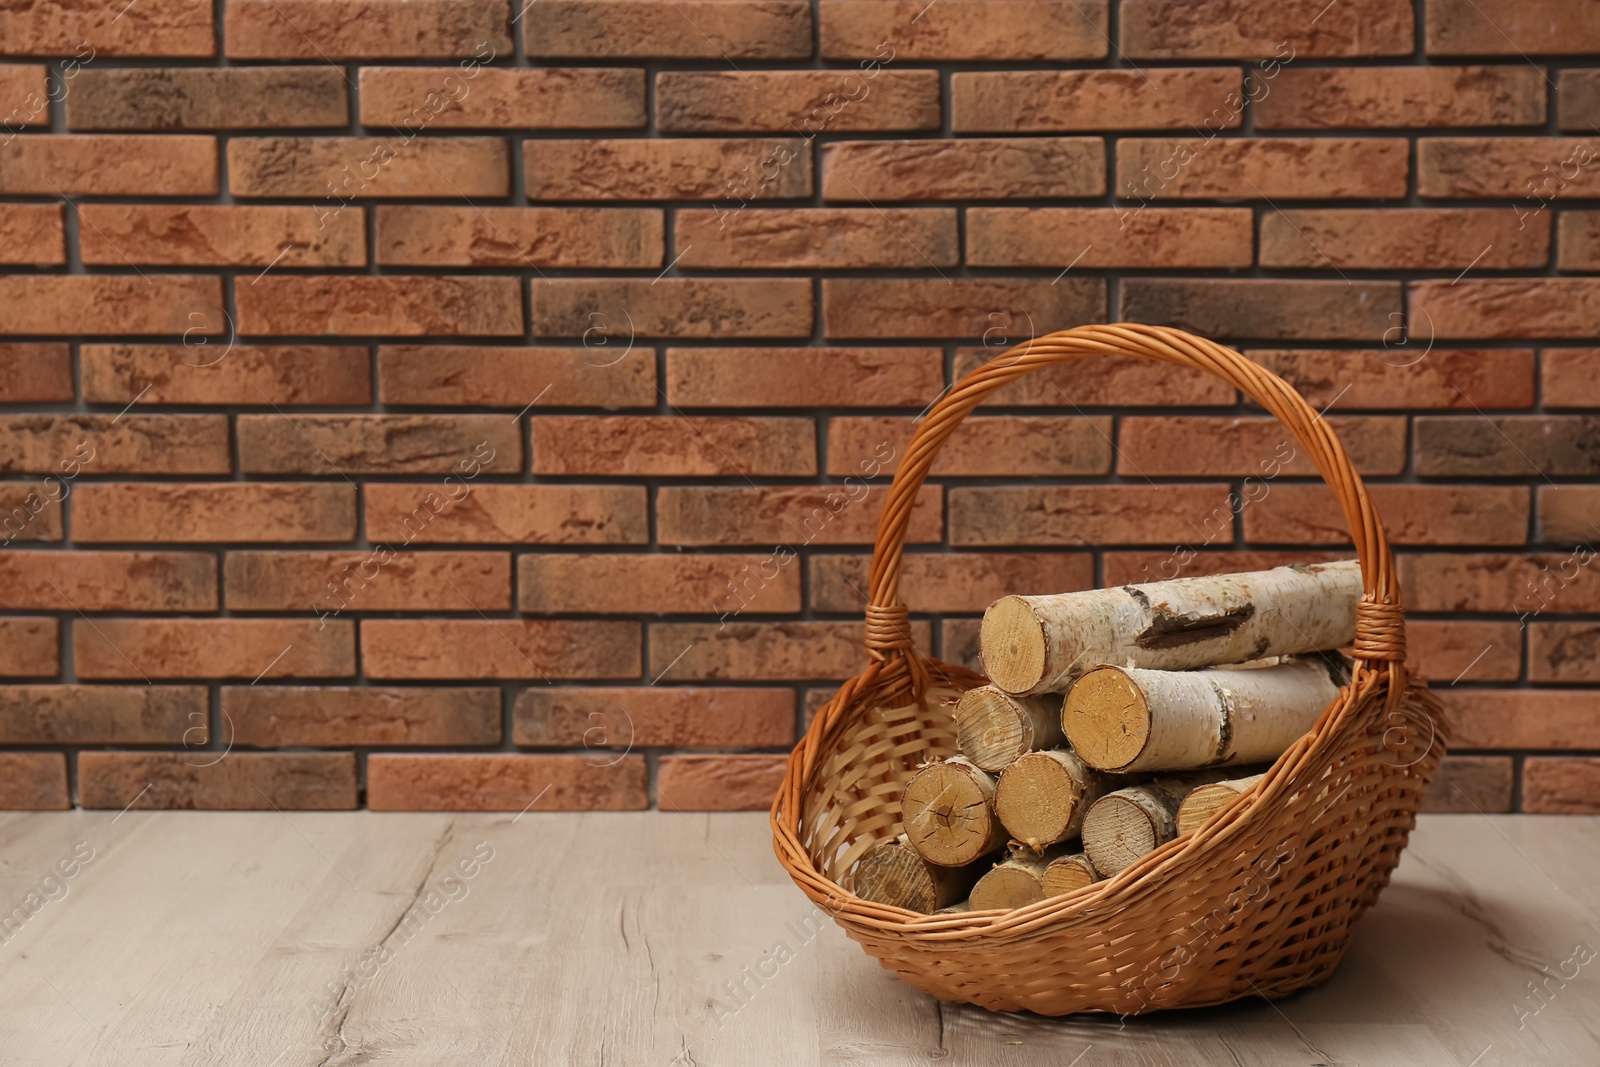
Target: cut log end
[(947, 814), (1040, 798), (1069, 873), (1006, 887), (1106, 718), (1013, 645), (1198, 807), (892, 873), (1118, 830), (993, 727)]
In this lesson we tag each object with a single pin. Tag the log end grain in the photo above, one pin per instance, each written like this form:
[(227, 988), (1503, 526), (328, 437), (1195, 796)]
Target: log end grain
[(892, 873), (1069, 873), (947, 814), (1207, 800), (1013, 643), (1106, 718), (990, 728), (1006, 887), (1037, 799), (1119, 829)]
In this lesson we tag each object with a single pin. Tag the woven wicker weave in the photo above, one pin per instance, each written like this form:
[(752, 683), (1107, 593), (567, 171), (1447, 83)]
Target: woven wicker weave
[(1259, 901)]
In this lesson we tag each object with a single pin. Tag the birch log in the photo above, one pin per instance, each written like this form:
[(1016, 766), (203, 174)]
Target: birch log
[(993, 727), (1015, 881), (1041, 644), (1126, 824), (948, 812), (891, 872), (1072, 871), (1130, 719), (1207, 800), (1042, 797)]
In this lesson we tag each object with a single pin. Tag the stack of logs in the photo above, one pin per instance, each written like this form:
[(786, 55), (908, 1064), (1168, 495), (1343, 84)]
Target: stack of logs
[(1165, 685)]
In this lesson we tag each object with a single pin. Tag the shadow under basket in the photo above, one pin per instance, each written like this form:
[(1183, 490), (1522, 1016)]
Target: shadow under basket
[(1260, 901)]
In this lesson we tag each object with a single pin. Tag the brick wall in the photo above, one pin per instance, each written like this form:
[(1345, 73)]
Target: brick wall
[(455, 403)]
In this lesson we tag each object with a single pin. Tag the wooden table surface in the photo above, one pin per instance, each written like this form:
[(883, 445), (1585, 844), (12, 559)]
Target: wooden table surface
[(273, 940)]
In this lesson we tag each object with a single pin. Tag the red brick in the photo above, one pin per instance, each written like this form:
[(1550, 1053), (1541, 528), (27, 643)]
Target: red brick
[(335, 170), (817, 238), (84, 305), (1530, 170), (33, 781), (724, 169), (1395, 97), (32, 234), (1005, 445), (1561, 786), (1246, 168), (243, 781), (656, 445), (104, 715), (1261, 448), (1083, 514), (1570, 377), (960, 307), (414, 98), (1052, 30), (942, 581), (1578, 99), (1502, 583), (972, 167), (67, 164), (224, 373), (691, 717), (1070, 101), (35, 373), (1104, 381), (415, 235), (195, 235), (29, 648), (268, 716), (227, 511), (658, 584), (367, 29), (213, 648), (1499, 719), (1187, 561), (1568, 513), (1509, 27), (680, 29), (1507, 445), (375, 579), (719, 783), (24, 96), (1403, 239), (1407, 376), (672, 307), (396, 306), (90, 30), (505, 782), (463, 376), (1109, 237), (510, 514), (1451, 651), (31, 511), (762, 651), (1564, 652), (109, 444), (499, 648), (1412, 515), (1259, 29), (194, 98), (807, 102), (376, 444), (794, 516), (1579, 241), (1470, 785), (803, 377), (1265, 308)]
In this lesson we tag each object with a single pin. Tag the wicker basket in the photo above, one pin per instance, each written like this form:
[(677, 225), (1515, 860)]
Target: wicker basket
[(1259, 901)]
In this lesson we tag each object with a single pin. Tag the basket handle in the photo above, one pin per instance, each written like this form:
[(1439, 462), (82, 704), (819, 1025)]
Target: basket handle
[(1380, 618)]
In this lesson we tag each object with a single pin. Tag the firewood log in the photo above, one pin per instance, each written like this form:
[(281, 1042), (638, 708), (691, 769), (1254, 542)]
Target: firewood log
[(993, 727), (1069, 872), (1015, 881), (1041, 798), (891, 872), (1041, 644), (947, 809), (1128, 823), (1207, 800)]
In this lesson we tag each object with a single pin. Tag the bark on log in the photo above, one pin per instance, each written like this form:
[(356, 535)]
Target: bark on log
[(993, 727), (891, 872), (1131, 719), (1073, 871), (1041, 644), (947, 810), (1014, 882), (1042, 797), (1128, 823), (1207, 800)]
